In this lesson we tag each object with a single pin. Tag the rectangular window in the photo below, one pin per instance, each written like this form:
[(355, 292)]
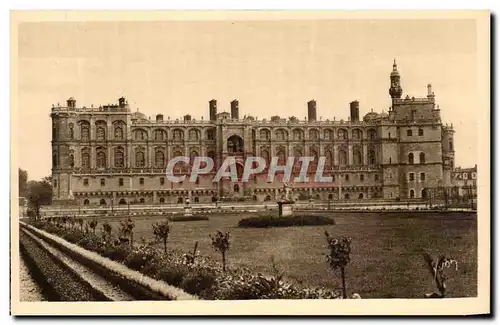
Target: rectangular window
[(347, 177), (422, 176), (120, 182), (141, 181), (408, 133), (412, 177), (162, 180), (376, 177), (333, 178), (421, 132), (86, 182), (55, 182), (103, 181), (197, 180), (361, 177)]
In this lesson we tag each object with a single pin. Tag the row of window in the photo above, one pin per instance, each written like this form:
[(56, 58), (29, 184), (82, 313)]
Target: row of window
[(411, 177), (423, 194), (121, 182), (298, 134), (411, 158), (409, 132)]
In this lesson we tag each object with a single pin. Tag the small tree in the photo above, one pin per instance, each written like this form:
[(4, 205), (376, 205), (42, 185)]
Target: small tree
[(80, 222), (93, 224), (39, 193), (339, 256), (221, 242), (191, 257), (161, 230), (127, 230), (106, 231), (437, 272)]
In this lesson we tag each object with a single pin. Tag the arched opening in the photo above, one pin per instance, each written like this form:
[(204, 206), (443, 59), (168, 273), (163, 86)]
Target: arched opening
[(102, 202), (410, 158), (412, 194), (142, 201), (235, 144), (424, 194), (330, 196), (214, 199), (179, 200), (196, 199), (422, 158), (360, 196), (254, 197), (162, 200), (122, 201), (236, 188), (347, 196), (317, 197), (86, 202), (268, 198)]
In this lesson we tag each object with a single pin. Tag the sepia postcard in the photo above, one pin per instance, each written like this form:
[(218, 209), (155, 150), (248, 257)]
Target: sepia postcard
[(250, 163)]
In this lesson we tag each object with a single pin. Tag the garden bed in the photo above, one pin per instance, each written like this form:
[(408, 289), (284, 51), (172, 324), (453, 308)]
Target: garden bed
[(266, 221)]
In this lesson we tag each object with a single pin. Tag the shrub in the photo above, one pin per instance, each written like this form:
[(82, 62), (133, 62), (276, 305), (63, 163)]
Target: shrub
[(186, 218), (137, 259), (161, 231), (266, 221), (221, 242), (199, 282), (339, 256)]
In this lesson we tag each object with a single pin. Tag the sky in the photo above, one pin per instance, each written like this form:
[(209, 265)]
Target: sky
[(271, 67)]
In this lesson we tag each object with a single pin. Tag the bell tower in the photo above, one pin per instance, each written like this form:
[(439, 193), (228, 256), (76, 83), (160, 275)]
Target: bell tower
[(395, 91)]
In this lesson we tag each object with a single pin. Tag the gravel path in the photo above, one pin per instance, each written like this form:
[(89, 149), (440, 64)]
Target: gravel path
[(29, 290)]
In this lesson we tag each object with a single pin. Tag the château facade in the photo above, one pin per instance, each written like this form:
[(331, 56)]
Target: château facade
[(112, 155)]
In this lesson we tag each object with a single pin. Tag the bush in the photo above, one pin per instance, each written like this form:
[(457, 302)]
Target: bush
[(266, 221), (186, 218), (200, 282)]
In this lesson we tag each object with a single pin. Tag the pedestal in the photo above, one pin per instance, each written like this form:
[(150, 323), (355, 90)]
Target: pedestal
[(285, 208), (188, 211)]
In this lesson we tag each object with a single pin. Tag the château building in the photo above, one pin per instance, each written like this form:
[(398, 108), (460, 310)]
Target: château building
[(114, 155)]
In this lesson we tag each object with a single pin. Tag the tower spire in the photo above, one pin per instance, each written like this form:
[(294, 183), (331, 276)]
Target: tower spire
[(395, 90)]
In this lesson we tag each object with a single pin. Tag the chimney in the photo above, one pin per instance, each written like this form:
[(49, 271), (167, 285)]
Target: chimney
[(354, 111), (187, 117), (159, 117), (311, 110), (71, 102), (213, 109), (121, 102), (235, 110)]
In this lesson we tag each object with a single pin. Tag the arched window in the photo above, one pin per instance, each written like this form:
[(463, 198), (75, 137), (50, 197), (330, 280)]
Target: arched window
[(330, 196), (268, 198), (159, 159), (372, 157), (313, 134), (297, 134), (211, 134), (71, 161), (100, 133), (236, 188), (71, 134), (329, 158), (192, 155), (196, 199), (313, 153), (265, 155), (420, 132), (142, 201), (141, 135), (356, 134), (101, 158), (86, 202), (347, 196), (119, 158), (235, 144), (85, 155), (372, 134), (280, 135), (281, 156), (424, 193), (412, 194), (264, 134), (360, 196), (342, 156), (410, 158), (85, 131), (102, 202), (139, 158), (193, 135), (159, 135), (328, 134), (118, 132), (162, 200), (122, 201), (180, 200), (356, 156), (342, 134), (178, 135), (422, 158)]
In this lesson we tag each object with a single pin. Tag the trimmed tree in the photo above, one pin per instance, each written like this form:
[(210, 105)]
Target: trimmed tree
[(221, 242), (339, 256), (161, 230)]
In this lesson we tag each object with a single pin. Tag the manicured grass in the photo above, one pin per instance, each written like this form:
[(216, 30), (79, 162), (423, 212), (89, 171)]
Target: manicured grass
[(385, 259)]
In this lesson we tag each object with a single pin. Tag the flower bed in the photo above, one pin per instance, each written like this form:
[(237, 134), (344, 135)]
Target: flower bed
[(204, 277), (266, 221)]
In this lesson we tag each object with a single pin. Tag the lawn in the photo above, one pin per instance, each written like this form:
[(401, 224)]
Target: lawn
[(385, 259)]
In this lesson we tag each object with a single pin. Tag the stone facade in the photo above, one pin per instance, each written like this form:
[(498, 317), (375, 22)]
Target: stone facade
[(111, 155)]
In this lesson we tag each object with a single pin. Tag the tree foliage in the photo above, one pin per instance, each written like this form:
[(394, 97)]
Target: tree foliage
[(23, 183), (39, 193)]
